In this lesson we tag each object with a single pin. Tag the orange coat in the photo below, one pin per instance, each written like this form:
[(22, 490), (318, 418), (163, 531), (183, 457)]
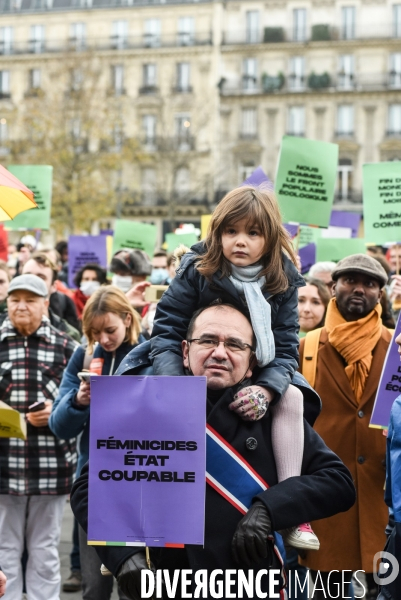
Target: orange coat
[(350, 540)]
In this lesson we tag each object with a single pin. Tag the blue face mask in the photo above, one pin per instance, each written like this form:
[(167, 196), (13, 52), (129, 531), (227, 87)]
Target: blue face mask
[(158, 276)]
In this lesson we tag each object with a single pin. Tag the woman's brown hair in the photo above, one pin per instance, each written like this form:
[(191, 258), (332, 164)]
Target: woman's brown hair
[(259, 207), (109, 299)]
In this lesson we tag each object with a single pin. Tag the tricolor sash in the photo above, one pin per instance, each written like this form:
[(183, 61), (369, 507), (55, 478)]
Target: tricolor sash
[(233, 478)]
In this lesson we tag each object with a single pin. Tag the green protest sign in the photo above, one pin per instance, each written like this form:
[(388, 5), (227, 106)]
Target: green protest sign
[(305, 180), (37, 178), (337, 248), (382, 202), (308, 235), (132, 234), (173, 240)]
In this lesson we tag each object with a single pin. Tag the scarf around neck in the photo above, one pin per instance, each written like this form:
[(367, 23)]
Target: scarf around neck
[(355, 341), (248, 283)]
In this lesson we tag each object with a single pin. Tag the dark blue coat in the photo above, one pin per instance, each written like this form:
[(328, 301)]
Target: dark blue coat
[(324, 488), (189, 291)]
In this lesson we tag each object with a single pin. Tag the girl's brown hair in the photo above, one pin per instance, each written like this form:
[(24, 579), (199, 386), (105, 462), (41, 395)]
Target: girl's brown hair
[(259, 207), (109, 299)]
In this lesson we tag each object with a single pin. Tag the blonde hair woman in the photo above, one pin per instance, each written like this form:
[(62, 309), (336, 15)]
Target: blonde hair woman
[(112, 328)]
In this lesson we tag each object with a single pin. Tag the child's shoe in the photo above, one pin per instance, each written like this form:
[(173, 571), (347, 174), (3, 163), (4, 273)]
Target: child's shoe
[(301, 536)]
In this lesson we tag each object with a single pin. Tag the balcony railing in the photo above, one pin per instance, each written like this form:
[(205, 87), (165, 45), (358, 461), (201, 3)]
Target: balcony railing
[(316, 33), (148, 89), (99, 44), (31, 6), (183, 143)]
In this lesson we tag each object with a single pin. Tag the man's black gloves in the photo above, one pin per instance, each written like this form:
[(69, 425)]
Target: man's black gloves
[(129, 576), (250, 543)]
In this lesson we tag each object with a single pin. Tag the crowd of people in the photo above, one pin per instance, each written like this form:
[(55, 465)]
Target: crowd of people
[(292, 365)]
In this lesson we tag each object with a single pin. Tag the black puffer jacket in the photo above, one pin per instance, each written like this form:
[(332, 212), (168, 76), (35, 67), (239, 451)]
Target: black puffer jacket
[(189, 291)]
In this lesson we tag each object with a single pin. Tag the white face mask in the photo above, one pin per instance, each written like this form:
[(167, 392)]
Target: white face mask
[(124, 282), (89, 287)]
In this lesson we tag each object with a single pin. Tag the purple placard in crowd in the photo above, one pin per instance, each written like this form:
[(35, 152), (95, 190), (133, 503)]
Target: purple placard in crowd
[(307, 255), (389, 385), (147, 466), (292, 229), (84, 249), (259, 177), (107, 232), (340, 218)]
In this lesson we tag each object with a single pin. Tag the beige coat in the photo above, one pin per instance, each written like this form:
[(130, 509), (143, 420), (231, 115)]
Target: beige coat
[(350, 540)]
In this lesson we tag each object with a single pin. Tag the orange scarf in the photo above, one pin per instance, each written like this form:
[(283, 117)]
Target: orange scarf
[(355, 341)]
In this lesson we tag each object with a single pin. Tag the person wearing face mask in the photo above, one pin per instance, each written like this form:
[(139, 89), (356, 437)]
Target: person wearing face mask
[(88, 280), (129, 267), (160, 274), (112, 328)]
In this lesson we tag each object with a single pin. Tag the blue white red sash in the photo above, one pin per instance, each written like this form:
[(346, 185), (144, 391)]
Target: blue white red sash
[(234, 479)]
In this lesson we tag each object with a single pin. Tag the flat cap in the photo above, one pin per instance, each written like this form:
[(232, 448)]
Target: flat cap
[(360, 263), (131, 262), (29, 283)]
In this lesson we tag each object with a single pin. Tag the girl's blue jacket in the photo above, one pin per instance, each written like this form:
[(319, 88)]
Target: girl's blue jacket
[(189, 291), (67, 419)]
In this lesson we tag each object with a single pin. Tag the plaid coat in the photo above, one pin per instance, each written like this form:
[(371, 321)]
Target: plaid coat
[(30, 370)]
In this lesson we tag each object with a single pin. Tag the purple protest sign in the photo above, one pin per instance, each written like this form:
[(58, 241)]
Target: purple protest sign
[(292, 228), (389, 385), (259, 178), (84, 249), (340, 218), (147, 460), (307, 255)]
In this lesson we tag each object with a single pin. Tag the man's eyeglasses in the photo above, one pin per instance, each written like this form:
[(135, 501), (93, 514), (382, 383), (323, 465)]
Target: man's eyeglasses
[(231, 345)]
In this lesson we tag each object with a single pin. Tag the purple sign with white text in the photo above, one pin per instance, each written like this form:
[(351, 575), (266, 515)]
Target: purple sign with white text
[(307, 255), (341, 218), (147, 460), (390, 384)]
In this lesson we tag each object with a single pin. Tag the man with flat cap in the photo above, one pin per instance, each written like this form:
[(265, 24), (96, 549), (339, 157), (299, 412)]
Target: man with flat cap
[(343, 362), (36, 473)]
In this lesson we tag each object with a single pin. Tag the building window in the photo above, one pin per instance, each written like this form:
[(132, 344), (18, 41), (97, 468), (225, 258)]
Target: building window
[(186, 28), (117, 79), (183, 77), (394, 119), (37, 39), (118, 137), (249, 77), (345, 170), (119, 34), (149, 75), (296, 80), (296, 120), (395, 70), (78, 36), (299, 24), (75, 128), (152, 33), (252, 26), (345, 120), (183, 131), (148, 185), (77, 79), (4, 84), (248, 128), (34, 79), (346, 72), (3, 132), (397, 20), (182, 183), (149, 129), (245, 171), (348, 22), (6, 40)]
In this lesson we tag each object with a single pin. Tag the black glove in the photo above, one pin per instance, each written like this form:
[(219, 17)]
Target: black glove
[(250, 543), (129, 576)]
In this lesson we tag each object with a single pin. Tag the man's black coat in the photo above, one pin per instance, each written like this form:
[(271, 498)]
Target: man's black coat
[(324, 489)]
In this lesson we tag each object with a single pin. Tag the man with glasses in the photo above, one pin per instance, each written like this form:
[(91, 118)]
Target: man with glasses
[(219, 346)]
